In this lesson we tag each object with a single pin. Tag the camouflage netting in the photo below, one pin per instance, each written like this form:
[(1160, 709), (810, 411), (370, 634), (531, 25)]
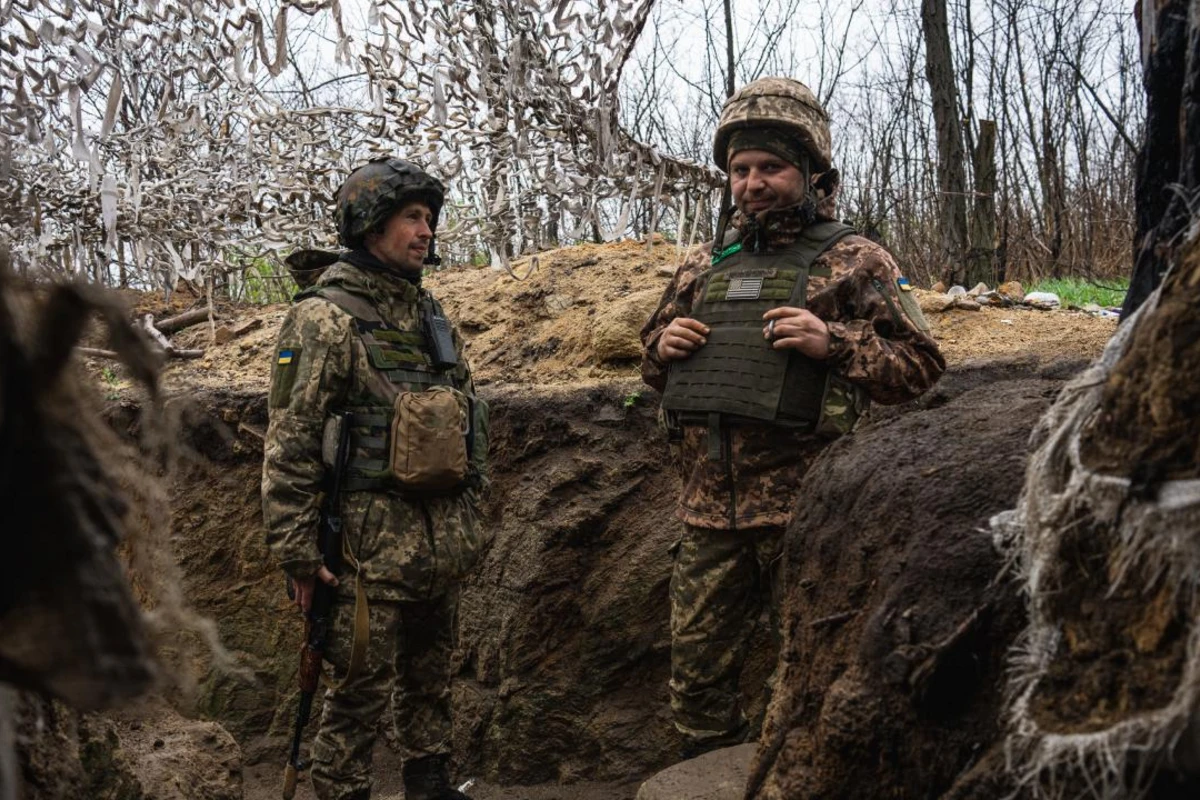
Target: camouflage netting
[(1105, 684), (156, 132)]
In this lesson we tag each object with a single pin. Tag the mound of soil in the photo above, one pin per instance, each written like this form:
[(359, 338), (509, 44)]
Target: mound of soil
[(897, 619)]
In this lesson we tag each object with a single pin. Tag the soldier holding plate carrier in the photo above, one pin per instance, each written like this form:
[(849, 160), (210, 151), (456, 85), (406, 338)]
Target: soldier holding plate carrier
[(766, 347), (374, 461)]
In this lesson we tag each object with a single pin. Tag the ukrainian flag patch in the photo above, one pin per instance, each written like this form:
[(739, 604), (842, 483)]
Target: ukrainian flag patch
[(902, 282), (285, 356)]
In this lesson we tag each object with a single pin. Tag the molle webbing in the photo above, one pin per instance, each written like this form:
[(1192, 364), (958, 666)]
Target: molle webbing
[(737, 374), (368, 466), (402, 358)]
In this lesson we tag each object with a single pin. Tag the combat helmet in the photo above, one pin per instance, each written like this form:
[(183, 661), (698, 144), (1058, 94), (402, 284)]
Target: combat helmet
[(374, 191), (778, 102)]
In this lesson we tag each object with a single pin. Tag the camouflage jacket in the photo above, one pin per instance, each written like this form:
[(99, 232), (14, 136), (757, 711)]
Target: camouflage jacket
[(409, 547), (754, 483)]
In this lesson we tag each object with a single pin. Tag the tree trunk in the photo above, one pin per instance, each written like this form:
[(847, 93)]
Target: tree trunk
[(982, 259), (1162, 214), (951, 168)]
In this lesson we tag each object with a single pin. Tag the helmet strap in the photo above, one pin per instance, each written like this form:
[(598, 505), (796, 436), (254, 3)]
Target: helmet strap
[(727, 211), (432, 258)]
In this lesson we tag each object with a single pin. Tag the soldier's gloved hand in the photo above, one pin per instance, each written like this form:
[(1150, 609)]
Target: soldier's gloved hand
[(681, 338), (304, 587), (797, 329)]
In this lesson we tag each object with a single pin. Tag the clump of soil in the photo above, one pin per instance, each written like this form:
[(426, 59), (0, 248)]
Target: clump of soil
[(1123, 646), (1146, 428)]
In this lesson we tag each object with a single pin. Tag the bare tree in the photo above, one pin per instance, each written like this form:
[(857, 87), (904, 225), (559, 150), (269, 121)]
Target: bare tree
[(952, 173)]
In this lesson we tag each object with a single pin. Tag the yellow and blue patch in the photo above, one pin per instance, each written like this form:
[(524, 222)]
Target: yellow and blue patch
[(904, 285), (285, 356)]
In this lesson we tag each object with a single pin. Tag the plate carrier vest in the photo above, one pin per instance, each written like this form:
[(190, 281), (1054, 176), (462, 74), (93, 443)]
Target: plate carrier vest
[(737, 376), (401, 358)]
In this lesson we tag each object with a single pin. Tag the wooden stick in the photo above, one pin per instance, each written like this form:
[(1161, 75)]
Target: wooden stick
[(184, 320), (155, 333), (171, 352)]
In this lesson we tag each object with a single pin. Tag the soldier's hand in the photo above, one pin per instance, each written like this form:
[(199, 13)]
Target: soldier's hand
[(304, 587), (797, 329), (681, 338)]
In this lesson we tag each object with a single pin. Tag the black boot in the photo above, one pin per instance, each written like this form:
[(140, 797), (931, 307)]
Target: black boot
[(428, 778), (694, 747)]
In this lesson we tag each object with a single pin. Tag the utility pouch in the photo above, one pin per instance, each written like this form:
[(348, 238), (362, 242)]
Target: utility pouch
[(841, 406), (429, 438)]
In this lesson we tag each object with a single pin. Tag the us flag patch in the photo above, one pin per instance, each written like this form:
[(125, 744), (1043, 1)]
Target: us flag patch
[(744, 288)]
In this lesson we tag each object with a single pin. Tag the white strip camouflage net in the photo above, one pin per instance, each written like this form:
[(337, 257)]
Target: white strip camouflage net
[(146, 130), (1154, 540)]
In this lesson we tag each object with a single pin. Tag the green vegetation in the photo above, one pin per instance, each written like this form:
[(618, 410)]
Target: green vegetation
[(631, 399), (1081, 291), (261, 283), (112, 382)]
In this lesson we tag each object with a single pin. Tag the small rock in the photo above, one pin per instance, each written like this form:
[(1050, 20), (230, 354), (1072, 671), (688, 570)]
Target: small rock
[(979, 289), (1007, 321), (558, 303), (247, 326), (966, 304), (1013, 290), (223, 334), (932, 303), (956, 291), (938, 287), (1092, 308), (719, 775), (1043, 300), (665, 272)]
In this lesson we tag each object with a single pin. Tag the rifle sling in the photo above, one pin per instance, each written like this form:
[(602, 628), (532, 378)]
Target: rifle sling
[(362, 624)]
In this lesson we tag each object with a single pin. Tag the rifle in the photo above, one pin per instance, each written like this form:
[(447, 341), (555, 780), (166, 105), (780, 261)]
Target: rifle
[(319, 616)]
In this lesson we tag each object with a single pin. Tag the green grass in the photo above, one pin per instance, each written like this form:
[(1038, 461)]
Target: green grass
[(1081, 291)]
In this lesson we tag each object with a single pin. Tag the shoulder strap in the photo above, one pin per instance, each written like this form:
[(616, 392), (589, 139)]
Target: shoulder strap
[(353, 304), (827, 233), (815, 240)]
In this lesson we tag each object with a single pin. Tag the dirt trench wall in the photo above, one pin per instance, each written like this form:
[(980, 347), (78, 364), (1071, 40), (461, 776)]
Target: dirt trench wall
[(897, 619), (563, 658), (563, 651)]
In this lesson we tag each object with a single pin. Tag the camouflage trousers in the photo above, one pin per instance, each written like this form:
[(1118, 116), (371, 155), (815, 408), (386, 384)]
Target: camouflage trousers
[(719, 584), (408, 662)]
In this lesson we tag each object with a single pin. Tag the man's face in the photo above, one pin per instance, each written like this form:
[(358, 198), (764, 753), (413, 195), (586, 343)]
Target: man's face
[(761, 181), (404, 241)]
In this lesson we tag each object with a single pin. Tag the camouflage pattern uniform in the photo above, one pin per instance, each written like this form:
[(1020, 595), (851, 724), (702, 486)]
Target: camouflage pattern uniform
[(736, 508), (411, 550)]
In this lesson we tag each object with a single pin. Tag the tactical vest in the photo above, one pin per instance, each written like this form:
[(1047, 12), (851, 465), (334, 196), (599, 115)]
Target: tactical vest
[(401, 362), (737, 375)]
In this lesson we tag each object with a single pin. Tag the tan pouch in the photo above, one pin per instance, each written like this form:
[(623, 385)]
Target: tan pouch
[(429, 438)]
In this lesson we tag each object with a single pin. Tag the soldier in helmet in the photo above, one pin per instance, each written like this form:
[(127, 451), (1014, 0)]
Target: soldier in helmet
[(766, 347), (365, 357)]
